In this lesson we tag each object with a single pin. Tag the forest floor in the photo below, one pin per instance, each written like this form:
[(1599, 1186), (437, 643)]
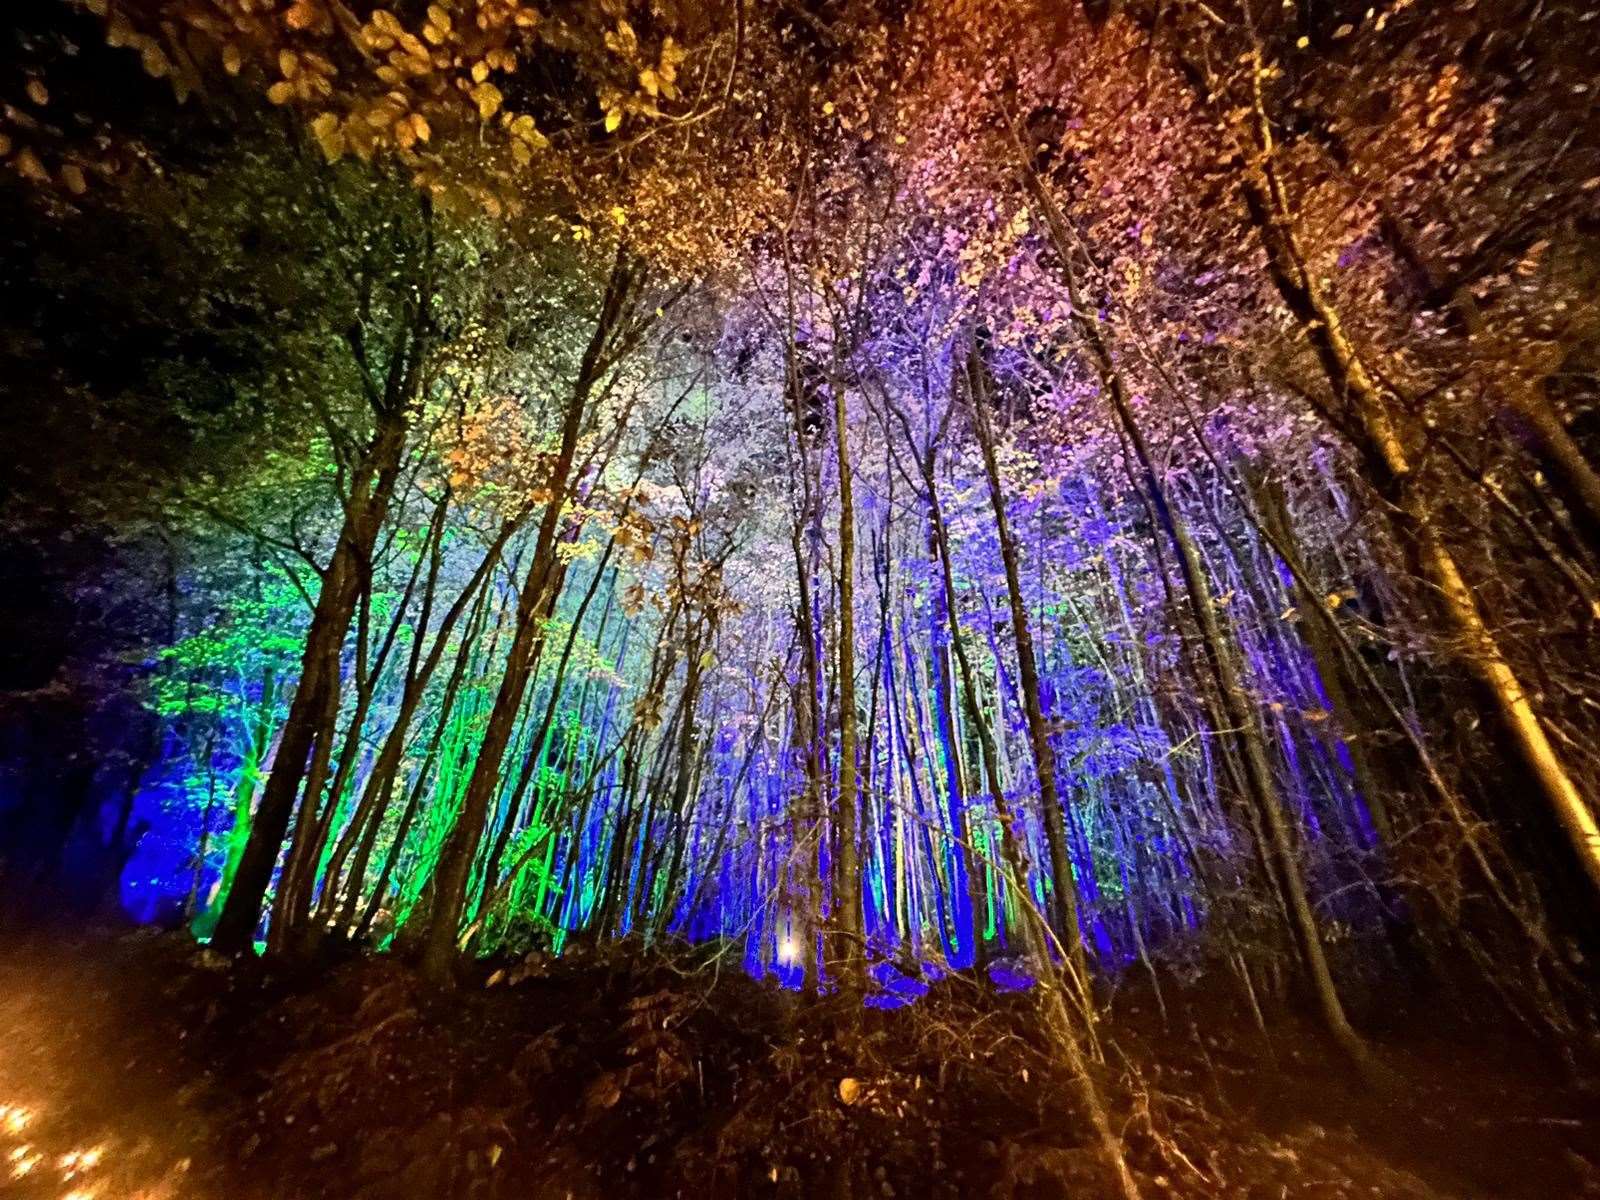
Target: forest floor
[(138, 1065)]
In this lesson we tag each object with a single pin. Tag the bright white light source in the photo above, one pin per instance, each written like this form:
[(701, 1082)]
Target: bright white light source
[(14, 1117), (787, 950)]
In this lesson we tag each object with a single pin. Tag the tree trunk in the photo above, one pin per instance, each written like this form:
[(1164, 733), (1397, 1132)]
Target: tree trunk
[(847, 873), (307, 723), (1064, 886), (533, 606), (1389, 468)]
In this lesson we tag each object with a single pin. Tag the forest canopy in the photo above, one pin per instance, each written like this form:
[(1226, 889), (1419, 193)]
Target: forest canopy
[(887, 486)]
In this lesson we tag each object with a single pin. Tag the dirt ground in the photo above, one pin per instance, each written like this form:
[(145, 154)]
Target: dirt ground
[(138, 1065)]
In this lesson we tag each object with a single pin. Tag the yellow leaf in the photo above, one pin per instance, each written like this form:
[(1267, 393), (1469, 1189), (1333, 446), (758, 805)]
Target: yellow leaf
[(480, 71), (72, 176), (619, 214), (281, 92), (37, 92), (232, 59), (649, 81), (288, 64), (438, 16), (302, 16), (488, 98), (27, 164), (420, 126), (613, 119), (330, 136), (155, 62)]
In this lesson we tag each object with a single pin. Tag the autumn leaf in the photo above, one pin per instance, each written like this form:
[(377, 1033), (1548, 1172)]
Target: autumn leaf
[(27, 164), (330, 136), (303, 15), (154, 60), (488, 98), (526, 132)]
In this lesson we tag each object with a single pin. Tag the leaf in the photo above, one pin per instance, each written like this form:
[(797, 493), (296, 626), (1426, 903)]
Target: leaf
[(330, 136), (72, 176), (302, 16), (27, 164), (37, 92), (154, 60), (488, 98), (613, 119), (525, 131), (232, 59), (281, 92), (603, 1092)]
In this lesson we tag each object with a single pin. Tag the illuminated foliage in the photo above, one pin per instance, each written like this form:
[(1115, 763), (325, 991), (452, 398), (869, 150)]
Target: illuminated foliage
[(892, 487)]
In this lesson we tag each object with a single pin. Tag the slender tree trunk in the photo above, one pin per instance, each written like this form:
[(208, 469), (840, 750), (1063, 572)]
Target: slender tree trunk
[(534, 603), (1044, 757), (847, 872), (306, 724)]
